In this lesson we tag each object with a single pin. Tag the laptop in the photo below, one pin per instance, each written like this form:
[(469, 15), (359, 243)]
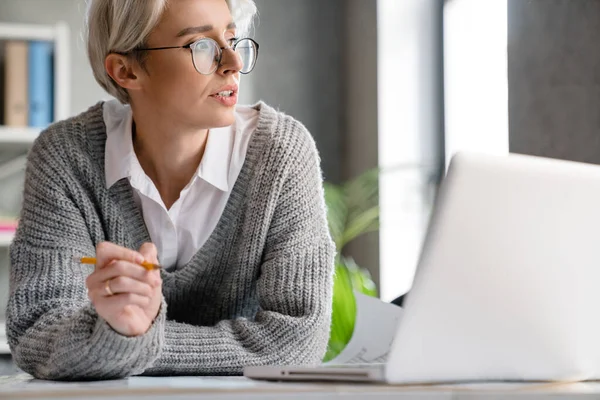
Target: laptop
[(507, 286)]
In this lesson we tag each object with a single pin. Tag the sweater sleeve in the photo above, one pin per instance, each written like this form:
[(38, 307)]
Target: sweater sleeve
[(53, 330), (294, 287)]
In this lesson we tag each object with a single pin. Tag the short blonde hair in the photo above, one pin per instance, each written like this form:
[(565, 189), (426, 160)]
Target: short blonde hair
[(120, 26)]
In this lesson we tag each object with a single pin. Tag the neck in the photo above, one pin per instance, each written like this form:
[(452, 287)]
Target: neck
[(169, 154)]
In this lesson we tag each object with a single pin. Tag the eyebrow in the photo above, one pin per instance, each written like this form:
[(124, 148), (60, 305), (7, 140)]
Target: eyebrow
[(201, 29)]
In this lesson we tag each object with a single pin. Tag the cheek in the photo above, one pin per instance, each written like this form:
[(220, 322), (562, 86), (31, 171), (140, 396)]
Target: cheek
[(176, 78)]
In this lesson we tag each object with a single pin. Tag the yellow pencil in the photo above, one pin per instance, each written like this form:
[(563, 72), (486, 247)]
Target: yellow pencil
[(92, 260)]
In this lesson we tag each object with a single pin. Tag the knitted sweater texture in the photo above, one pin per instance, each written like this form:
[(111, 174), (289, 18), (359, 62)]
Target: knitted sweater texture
[(257, 293)]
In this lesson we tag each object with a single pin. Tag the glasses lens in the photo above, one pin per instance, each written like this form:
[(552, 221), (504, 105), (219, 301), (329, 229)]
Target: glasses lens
[(248, 53), (205, 53)]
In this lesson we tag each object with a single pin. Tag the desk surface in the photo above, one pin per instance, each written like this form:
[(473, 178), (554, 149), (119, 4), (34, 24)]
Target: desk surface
[(24, 387)]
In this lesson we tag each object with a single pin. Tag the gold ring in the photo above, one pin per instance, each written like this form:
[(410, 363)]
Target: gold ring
[(107, 289)]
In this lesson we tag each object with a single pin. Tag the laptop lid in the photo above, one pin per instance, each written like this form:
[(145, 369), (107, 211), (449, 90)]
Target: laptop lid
[(508, 284)]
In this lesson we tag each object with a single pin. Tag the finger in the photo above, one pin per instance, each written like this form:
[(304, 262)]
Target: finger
[(107, 252), (123, 284), (122, 268), (148, 250), (150, 253), (114, 304)]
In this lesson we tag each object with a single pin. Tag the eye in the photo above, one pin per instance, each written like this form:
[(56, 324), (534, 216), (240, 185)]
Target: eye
[(232, 41), (191, 42)]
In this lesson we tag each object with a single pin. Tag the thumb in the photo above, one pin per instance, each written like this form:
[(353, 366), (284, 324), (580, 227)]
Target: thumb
[(148, 250)]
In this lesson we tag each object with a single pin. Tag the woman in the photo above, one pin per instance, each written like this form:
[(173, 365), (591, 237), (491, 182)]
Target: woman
[(227, 199)]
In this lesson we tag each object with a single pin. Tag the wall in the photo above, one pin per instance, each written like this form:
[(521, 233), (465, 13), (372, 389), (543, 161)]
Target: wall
[(298, 70), (359, 106), (554, 78)]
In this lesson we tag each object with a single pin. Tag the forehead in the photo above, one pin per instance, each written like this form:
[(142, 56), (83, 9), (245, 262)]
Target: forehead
[(182, 14)]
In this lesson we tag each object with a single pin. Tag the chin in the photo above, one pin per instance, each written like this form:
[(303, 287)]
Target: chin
[(223, 118), (214, 119)]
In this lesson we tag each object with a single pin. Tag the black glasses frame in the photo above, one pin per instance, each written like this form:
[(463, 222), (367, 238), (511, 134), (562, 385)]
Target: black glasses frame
[(221, 49)]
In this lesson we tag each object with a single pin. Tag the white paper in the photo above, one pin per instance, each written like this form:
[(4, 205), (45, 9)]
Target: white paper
[(374, 330)]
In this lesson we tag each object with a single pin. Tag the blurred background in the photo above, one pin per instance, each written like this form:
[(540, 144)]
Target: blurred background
[(399, 85)]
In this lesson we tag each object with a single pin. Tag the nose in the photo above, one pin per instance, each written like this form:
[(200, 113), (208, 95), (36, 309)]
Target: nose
[(231, 62)]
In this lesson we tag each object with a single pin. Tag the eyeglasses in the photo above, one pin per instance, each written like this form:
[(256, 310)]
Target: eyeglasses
[(207, 54)]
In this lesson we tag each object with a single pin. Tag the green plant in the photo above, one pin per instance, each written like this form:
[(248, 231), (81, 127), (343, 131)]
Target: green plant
[(352, 210)]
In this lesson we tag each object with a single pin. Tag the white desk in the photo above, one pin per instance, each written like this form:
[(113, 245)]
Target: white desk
[(221, 388)]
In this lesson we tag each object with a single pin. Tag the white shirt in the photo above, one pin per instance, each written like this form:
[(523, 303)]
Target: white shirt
[(181, 231)]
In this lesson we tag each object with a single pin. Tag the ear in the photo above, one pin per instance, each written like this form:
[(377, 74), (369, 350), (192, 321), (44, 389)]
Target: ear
[(123, 70)]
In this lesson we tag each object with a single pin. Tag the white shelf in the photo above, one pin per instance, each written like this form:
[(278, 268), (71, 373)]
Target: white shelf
[(4, 349), (6, 238), (18, 135), (27, 32)]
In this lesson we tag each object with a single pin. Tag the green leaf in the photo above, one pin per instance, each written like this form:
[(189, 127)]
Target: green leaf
[(360, 277), (343, 314), (352, 210), (337, 211), (366, 221), (349, 277), (363, 192)]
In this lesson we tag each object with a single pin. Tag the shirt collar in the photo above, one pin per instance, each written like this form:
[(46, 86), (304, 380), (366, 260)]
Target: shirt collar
[(214, 167), (119, 154)]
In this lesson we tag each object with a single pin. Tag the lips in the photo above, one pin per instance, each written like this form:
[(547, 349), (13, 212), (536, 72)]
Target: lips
[(226, 96), (226, 91)]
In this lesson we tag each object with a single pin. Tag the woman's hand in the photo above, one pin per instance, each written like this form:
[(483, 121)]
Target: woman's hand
[(123, 292)]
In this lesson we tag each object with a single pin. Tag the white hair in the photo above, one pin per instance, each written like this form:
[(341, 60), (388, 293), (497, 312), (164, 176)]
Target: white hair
[(120, 26)]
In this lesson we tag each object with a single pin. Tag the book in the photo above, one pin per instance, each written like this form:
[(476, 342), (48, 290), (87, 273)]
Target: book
[(15, 87), (8, 224), (8, 229), (40, 83)]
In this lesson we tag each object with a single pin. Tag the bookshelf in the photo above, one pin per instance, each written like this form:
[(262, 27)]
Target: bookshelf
[(58, 34), (20, 139)]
